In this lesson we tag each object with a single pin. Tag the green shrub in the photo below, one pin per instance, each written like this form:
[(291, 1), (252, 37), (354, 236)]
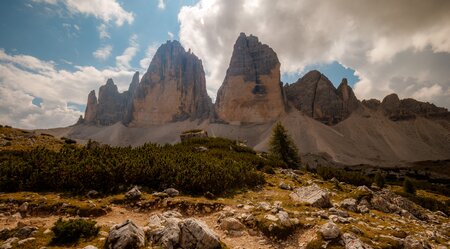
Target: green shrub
[(283, 147), (316, 243), (428, 202), (379, 180), (225, 166), (70, 231), (408, 187), (354, 178)]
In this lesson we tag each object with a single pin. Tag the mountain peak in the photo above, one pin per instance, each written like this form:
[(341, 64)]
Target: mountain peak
[(251, 91)]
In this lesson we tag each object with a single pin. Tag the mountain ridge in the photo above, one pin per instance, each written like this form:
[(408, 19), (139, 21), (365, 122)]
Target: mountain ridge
[(171, 97)]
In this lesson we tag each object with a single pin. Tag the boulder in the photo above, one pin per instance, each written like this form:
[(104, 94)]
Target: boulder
[(25, 232), (8, 244), (170, 231), (195, 234), (330, 230), (172, 192), (349, 204), (124, 236), (231, 223), (285, 186), (133, 194), (313, 195), (411, 242), (353, 242)]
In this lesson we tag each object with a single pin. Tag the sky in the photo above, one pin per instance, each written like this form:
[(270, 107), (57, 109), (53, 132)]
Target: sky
[(54, 52)]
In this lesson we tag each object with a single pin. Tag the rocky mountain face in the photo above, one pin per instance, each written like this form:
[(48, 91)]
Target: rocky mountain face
[(405, 109), (172, 89), (111, 106), (251, 91), (315, 95)]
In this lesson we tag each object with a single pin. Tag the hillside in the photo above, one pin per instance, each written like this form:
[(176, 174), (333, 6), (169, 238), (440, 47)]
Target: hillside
[(366, 137)]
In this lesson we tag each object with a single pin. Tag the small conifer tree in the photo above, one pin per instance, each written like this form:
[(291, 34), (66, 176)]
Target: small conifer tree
[(282, 146), (408, 187), (379, 180)]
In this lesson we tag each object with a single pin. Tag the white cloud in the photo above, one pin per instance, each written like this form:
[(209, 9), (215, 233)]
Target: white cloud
[(23, 77), (382, 40), (105, 10), (170, 34), (123, 61), (161, 4), (103, 53), (103, 32), (149, 53)]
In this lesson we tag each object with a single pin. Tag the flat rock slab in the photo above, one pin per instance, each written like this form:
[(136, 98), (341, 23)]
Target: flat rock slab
[(312, 195)]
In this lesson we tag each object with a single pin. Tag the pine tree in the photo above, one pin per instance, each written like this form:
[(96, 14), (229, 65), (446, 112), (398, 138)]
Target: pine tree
[(408, 187), (282, 146), (379, 180)]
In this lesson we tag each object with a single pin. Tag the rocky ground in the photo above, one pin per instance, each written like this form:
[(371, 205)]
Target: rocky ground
[(295, 209)]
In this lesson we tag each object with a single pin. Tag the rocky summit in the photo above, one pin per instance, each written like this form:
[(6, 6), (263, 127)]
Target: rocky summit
[(251, 91), (172, 89), (315, 96), (111, 106)]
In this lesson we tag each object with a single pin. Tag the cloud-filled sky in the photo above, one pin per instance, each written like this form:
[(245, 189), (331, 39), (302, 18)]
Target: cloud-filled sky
[(53, 52)]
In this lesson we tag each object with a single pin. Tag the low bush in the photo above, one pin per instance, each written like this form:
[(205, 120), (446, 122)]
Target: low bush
[(428, 202), (70, 231), (350, 177), (408, 187), (224, 166)]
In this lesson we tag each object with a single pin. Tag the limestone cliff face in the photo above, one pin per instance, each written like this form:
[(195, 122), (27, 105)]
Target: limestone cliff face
[(315, 95), (172, 89), (349, 101), (91, 108), (251, 91), (111, 106), (129, 95)]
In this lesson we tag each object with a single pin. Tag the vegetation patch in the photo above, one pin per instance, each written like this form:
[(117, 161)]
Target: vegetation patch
[(350, 177), (70, 231), (225, 166)]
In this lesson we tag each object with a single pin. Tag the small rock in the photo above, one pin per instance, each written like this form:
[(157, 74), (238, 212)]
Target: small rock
[(90, 247), (160, 195), (92, 194), (412, 243), (133, 194), (231, 224), (353, 242), (172, 192), (25, 232), (349, 204), (47, 231), (285, 186), (23, 209), (271, 217), (264, 206), (330, 230), (25, 241), (284, 218), (338, 212)]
